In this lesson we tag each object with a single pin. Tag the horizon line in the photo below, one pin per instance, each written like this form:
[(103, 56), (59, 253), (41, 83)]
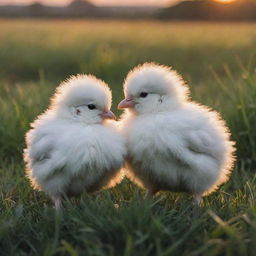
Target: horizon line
[(67, 2)]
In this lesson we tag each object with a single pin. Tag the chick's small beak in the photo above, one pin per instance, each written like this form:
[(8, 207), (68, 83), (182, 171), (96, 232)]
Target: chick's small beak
[(126, 103), (108, 115)]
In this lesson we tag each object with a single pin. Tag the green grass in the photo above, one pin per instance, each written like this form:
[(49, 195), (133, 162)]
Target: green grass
[(219, 63)]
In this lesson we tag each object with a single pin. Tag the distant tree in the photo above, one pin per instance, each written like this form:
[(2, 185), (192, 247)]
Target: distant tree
[(78, 4), (210, 10)]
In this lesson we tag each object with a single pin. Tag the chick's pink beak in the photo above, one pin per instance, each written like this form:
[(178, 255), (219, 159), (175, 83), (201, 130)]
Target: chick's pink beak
[(108, 115), (126, 103)]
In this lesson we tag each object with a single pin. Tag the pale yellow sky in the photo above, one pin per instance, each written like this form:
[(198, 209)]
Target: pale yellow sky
[(97, 2)]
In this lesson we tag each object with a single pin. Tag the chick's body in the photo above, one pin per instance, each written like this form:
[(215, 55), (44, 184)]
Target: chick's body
[(67, 152), (176, 144), (70, 158), (177, 151)]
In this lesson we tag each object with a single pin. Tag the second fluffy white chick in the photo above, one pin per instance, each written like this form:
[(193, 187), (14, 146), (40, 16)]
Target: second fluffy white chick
[(173, 144), (70, 149)]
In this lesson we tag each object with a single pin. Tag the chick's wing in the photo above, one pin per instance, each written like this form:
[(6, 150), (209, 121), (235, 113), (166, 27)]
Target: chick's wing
[(199, 141)]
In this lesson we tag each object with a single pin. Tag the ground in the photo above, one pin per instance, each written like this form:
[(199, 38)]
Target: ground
[(217, 60)]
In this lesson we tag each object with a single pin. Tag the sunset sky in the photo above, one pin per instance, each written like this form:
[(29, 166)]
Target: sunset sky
[(97, 2)]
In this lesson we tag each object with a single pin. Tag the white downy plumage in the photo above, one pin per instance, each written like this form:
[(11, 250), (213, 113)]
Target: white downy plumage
[(70, 147), (173, 143)]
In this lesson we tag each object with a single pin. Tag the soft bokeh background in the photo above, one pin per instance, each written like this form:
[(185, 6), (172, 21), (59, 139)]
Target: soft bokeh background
[(216, 59), (97, 2)]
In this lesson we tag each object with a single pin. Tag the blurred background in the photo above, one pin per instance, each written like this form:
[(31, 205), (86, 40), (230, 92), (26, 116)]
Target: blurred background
[(132, 9)]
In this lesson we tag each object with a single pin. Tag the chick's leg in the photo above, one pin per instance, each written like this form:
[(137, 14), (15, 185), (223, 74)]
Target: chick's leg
[(197, 201), (57, 202)]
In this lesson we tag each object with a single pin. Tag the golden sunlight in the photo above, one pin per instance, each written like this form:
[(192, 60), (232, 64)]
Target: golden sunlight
[(225, 1)]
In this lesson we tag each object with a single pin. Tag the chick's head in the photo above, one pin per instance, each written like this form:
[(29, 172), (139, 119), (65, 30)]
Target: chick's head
[(83, 98), (152, 88)]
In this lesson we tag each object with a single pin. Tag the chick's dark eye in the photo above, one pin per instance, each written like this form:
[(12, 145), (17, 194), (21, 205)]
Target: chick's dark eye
[(143, 94), (91, 106)]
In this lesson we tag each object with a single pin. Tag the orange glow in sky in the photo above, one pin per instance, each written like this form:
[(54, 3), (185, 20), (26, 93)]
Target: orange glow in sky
[(225, 1), (105, 2)]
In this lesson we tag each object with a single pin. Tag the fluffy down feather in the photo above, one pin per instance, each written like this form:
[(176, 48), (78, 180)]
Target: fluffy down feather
[(70, 148), (173, 143)]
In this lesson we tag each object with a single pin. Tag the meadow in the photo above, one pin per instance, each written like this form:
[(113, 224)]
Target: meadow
[(217, 60)]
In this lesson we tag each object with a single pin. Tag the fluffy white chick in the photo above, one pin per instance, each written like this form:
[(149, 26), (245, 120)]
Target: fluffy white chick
[(70, 148), (173, 143)]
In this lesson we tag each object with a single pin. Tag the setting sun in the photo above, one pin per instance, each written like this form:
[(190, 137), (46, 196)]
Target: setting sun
[(225, 1)]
